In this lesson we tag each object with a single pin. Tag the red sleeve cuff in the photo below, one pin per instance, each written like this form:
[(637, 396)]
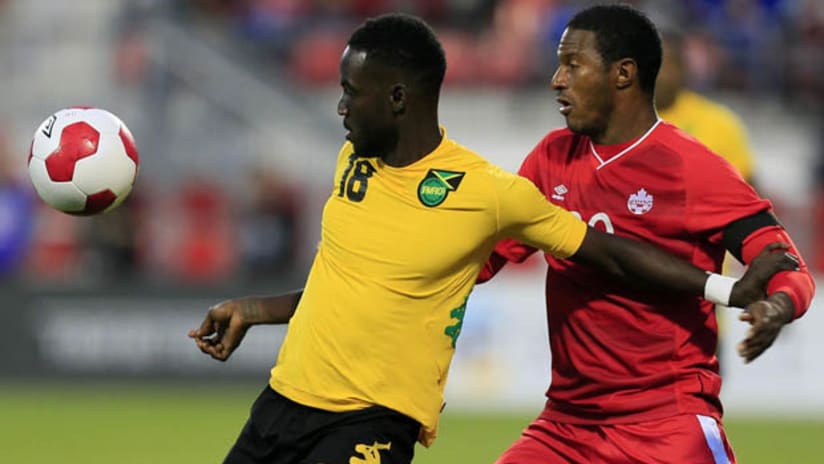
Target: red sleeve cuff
[(798, 285)]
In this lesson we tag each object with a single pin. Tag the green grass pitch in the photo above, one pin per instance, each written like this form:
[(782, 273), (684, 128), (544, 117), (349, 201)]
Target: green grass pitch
[(192, 423)]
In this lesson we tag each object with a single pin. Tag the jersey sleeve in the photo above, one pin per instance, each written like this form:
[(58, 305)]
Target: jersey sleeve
[(716, 195), (525, 215), (510, 249), (798, 285)]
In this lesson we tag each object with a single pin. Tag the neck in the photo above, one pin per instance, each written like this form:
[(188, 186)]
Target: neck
[(621, 129), (414, 143)]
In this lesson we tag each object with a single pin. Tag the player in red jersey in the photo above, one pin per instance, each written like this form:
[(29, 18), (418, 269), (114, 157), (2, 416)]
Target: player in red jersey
[(634, 373)]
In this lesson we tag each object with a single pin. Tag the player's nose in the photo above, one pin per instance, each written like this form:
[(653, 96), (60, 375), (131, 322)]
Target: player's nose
[(558, 82)]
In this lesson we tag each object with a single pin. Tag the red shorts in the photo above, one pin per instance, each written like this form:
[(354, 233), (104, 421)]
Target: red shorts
[(686, 438)]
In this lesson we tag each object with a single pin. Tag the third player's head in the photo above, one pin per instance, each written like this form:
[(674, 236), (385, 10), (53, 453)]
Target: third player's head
[(672, 75), (609, 56), (391, 73)]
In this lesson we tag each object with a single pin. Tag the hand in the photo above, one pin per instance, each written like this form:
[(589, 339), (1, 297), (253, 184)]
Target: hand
[(766, 317), (222, 330), (752, 286)]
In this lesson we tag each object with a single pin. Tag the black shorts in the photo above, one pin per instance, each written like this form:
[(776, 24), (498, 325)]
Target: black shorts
[(280, 431)]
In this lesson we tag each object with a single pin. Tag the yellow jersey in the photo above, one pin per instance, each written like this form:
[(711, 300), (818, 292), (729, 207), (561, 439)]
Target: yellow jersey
[(399, 253), (714, 125)]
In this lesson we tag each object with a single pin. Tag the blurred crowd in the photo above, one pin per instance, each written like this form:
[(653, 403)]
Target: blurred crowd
[(746, 45), (202, 233)]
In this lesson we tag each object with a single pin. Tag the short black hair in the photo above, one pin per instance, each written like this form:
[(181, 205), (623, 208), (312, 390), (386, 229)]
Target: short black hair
[(622, 31), (404, 42)]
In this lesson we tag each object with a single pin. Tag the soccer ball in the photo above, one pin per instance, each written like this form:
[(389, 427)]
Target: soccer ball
[(83, 161)]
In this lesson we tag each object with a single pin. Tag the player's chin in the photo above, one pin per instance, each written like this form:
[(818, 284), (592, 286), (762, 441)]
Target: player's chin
[(572, 123), (575, 126), (580, 127), (365, 150)]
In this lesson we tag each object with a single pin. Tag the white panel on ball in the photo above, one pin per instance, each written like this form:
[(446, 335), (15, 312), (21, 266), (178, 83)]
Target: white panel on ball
[(64, 196), (109, 168), (102, 120)]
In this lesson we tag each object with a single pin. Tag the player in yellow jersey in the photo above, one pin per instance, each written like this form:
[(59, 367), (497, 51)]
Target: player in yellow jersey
[(712, 123), (411, 219)]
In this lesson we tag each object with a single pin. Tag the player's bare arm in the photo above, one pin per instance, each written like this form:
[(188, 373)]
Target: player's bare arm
[(226, 323), (631, 260)]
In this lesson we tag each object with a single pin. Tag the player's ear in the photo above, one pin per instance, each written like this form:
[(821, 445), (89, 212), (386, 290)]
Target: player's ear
[(397, 98), (626, 72)]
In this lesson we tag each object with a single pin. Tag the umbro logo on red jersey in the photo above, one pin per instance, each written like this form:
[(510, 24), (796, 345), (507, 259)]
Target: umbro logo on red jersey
[(640, 202), (560, 191)]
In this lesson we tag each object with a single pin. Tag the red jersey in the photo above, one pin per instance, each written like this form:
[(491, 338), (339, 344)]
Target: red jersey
[(622, 354)]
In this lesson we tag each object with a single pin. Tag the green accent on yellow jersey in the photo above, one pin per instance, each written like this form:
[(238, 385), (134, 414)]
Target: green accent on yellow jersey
[(454, 331), (390, 270)]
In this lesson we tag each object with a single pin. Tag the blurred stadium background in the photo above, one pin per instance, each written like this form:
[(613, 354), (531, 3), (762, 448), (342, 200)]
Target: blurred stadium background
[(232, 103)]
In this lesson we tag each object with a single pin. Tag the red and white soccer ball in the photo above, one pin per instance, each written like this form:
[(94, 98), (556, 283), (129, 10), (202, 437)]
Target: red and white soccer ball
[(83, 161)]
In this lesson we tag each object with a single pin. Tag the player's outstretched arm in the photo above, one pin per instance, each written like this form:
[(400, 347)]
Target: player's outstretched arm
[(789, 292), (634, 261), (226, 323)]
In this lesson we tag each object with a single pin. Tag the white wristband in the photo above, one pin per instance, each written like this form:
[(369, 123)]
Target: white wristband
[(718, 288)]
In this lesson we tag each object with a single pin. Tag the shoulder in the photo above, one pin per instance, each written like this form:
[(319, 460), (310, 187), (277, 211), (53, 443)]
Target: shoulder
[(675, 141), (486, 183), (676, 147), (477, 169), (560, 139), (555, 146), (458, 158), (454, 151), (474, 165), (712, 111)]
